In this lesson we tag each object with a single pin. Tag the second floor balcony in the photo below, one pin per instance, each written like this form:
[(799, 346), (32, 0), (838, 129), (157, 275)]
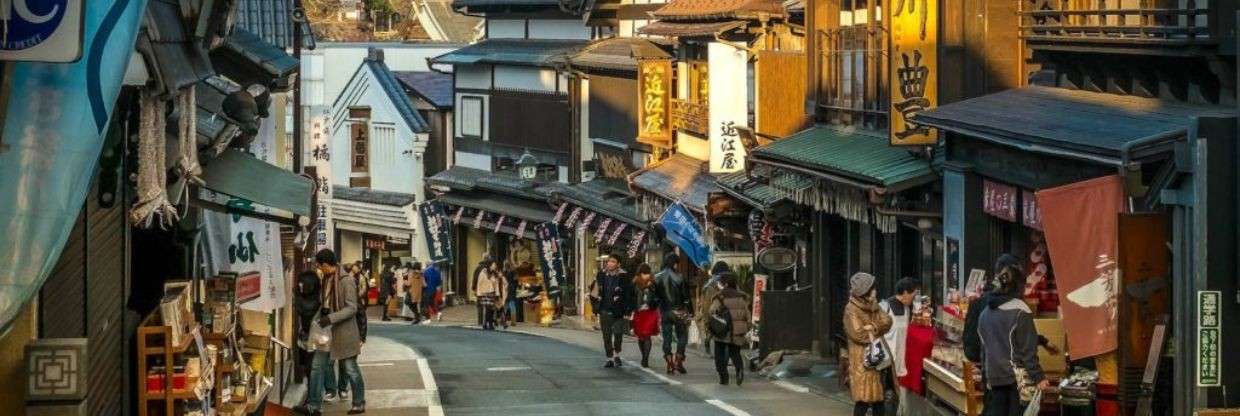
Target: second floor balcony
[(1120, 24), (691, 116)]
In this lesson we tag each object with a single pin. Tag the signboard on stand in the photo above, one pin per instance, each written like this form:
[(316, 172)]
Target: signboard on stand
[(552, 256), (41, 30), (438, 237)]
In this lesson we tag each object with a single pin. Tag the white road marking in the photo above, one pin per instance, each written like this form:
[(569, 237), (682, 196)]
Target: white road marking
[(661, 377), (508, 368), (727, 407), (793, 387), (376, 364)]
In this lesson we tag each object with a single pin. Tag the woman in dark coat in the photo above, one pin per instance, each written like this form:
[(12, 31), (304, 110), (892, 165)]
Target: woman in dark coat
[(728, 347)]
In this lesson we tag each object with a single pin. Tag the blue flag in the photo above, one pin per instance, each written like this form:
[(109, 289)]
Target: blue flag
[(684, 231)]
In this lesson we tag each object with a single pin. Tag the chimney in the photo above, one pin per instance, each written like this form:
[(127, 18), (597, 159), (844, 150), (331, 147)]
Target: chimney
[(374, 54)]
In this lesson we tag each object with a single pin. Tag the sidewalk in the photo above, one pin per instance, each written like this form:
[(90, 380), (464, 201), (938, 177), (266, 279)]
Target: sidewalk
[(758, 394)]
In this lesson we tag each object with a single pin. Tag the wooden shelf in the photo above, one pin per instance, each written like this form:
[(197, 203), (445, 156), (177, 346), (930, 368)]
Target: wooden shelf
[(176, 394)]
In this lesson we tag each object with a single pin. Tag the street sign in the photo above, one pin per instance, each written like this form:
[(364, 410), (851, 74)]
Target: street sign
[(1209, 338), (41, 31)]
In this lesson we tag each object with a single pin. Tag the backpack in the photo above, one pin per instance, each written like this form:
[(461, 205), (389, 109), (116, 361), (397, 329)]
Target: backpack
[(720, 323)]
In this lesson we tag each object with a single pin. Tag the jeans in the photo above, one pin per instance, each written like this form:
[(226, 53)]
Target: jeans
[(1002, 400), (342, 382), (321, 377), (677, 332), (725, 351), (614, 327)]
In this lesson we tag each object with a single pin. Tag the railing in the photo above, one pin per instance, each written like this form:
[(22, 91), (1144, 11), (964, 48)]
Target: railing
[(1135, 21), (690, 116)]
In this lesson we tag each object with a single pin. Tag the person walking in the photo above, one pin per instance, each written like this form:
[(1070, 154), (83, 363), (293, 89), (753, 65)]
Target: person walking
[(414, 289), (615, 298), (337, 337), (728, 343), (900, 308), (646, 318), (709, 290), (1009, 345), (864, 321), (490, 290), (480, 272), (342, 385), (430, 295), (676, 310), (387, 291), (307, 300)]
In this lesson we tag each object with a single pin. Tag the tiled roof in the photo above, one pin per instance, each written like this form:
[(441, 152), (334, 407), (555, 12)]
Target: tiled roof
[(396, 93), (850, 154), (689, 29), (272, 20), (531, 52), (372, 196), (606, 196), (175, 56), (1083, 121), (620, 53), (718, 9), (246, 58), (508, 4), (526, 209), (434, 87), (678, 178)]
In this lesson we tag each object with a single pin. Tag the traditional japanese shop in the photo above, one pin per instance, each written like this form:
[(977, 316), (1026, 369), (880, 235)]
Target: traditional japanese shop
[(1076, 185)]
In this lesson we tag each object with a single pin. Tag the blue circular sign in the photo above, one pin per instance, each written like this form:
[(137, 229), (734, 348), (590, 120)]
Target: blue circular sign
[(32, 23)]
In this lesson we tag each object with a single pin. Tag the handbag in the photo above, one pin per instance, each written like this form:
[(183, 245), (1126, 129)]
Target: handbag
[(877, 355), (719, 323)]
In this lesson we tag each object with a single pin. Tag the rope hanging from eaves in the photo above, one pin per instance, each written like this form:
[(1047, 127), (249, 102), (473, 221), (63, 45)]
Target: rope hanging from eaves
[(152, 174)]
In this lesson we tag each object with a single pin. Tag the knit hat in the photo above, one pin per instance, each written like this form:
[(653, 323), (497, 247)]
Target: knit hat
[(860, 284)]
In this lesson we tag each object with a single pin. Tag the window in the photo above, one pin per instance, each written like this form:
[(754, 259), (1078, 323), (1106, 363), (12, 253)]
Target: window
[(853, 82), (471, 116)]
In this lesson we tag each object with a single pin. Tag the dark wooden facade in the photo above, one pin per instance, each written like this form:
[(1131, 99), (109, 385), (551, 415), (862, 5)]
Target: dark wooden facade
[(531, 120), (613, 108)]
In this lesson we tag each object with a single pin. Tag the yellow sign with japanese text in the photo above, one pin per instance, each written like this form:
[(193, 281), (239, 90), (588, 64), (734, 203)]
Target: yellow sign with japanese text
[(914, 69), (654, 88)]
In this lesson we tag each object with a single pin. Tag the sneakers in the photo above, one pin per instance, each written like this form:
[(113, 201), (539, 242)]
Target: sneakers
[(329, 398), (619, 363), (610, 364), (344, 394), (303, 410), (357, 410)]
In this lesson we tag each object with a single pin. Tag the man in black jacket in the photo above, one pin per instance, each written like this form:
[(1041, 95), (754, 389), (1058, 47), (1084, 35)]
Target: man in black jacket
[(615, 306), (676, 307)]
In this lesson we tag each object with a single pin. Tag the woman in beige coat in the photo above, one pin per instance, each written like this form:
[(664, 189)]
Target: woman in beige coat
[(413, 291), (729, 347), (864, 321)]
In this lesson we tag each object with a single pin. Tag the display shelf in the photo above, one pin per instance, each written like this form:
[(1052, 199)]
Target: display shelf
[(155, 342)]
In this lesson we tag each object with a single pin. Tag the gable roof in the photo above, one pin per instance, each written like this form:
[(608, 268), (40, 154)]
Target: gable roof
[(434, 87), (391, 88), (530, 52), (718, 9), (620, 53)]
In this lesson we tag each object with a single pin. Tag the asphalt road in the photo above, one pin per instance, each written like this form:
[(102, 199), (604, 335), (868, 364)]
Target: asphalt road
[(507, 373)]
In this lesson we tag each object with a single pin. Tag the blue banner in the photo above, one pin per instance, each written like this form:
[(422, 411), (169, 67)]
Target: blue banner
[(552, 256), (52, 136), (683, 231)]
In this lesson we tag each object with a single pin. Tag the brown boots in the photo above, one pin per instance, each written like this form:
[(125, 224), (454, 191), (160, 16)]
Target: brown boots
[(680, 363), (675, 363)]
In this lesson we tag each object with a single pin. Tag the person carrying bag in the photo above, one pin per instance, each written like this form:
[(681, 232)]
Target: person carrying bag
[(864, 325)]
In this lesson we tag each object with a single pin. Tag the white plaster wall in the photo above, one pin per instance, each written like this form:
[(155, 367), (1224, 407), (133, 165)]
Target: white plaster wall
[(506, 28), (558, 29), (473, 160), (473, 76), (393, 145), (350, 246), (327, 68), (692, 146), (729, 103), (525, 79)]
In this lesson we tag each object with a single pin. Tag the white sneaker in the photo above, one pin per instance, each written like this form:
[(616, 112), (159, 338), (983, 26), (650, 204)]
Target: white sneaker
[(329, 398), (439, 316), (344, 395)]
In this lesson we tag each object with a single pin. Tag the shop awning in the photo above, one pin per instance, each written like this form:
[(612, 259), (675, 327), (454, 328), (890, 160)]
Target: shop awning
[(240, 175), (604, 196), (1084, 125), (759, 190), (678, 29), (536, 212), (678, 178), (531, 52), (850, 156)]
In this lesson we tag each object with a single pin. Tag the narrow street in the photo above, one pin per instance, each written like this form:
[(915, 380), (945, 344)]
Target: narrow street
[(531, 370)]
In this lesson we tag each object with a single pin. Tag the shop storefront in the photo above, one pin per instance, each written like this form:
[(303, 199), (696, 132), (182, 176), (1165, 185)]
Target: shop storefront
[(1082, 202), (842, 201)]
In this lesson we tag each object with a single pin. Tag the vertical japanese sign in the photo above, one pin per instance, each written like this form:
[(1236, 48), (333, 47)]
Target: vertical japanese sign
[(1081, 222), (320, 157), (759, 286), (438, 239), (728, 106), (551, 254), (914, 69), (1209, 338), (654, 77)]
